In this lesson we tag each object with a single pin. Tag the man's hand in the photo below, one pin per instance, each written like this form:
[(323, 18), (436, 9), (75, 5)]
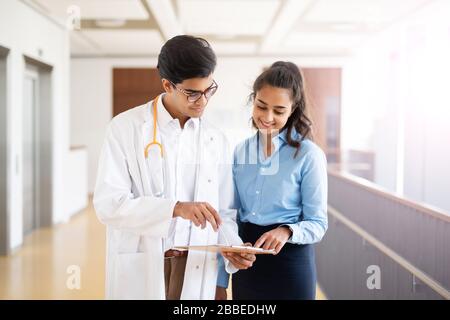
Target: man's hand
[(274, 239), (241, 260), (221, 293), (198, 213)]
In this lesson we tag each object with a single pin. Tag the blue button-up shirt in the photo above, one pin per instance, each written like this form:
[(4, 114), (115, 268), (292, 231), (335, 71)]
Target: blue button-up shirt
[(281, 189)]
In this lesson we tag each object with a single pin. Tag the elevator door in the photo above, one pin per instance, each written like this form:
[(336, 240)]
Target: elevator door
[(29, 159)]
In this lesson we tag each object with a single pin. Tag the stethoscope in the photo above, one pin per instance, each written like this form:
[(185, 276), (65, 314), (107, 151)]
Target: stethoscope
[(154, 142)]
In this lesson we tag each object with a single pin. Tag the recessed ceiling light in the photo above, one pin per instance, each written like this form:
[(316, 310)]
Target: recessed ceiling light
[(110, 23)]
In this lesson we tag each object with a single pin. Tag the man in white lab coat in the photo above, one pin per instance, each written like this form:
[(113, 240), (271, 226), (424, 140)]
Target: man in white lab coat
[(165, 180)]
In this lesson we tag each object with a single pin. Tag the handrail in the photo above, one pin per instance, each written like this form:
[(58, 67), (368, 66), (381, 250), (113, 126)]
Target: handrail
[(372, 187), (430, 282)]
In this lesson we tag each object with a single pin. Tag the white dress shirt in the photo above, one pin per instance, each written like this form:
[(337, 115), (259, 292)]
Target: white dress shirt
[(180, 147)]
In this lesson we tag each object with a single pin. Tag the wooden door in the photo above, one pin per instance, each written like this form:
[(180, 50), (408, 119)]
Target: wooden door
[(323, 86), (133, 87)]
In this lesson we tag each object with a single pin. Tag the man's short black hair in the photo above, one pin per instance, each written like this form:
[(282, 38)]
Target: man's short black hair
[(186, 57)]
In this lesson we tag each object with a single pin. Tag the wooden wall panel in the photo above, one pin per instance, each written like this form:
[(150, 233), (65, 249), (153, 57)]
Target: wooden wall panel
[(323, 86), (133, 87)]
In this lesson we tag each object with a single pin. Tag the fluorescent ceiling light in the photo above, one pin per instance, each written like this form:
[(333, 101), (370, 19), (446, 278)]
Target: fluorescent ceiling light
[(110, 23)]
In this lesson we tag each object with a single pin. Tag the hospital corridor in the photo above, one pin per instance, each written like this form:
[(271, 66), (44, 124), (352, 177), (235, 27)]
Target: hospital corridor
[(39, 270), (126, 161)]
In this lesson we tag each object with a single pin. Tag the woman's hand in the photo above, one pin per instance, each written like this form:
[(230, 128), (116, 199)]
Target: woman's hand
[(240, 260), (221, 293), (274, 239)]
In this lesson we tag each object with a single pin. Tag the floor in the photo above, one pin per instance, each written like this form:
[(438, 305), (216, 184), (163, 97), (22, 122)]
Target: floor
[(47, 265), (38, 270)]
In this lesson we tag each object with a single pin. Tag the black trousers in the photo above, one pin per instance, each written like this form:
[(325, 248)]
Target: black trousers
[(290, 275)]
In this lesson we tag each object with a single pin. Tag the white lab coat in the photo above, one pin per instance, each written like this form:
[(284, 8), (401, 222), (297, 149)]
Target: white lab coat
[(129, 199)]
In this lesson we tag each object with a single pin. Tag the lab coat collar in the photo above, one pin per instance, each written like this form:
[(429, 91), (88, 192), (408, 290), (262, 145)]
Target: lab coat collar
[(164, 117)]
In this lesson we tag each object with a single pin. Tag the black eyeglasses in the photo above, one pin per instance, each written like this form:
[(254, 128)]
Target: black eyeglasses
[(193, 96)]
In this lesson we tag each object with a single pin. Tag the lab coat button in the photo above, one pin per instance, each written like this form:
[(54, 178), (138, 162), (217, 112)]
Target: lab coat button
[(209, 180), (257, 191), (197, 267), (253, 214)]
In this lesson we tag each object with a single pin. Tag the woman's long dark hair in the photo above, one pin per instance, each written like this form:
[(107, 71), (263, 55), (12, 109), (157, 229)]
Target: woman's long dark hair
[(287, 75)]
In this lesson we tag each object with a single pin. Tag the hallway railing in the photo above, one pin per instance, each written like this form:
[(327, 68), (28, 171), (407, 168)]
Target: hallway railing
[(369, 227)]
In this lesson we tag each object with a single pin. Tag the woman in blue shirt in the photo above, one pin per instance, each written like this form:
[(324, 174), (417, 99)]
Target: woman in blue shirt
[(280, 177)]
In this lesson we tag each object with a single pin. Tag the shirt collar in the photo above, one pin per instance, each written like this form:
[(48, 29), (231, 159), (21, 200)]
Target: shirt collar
[(294, 135), (280, 139), (194, 121), (164, 118), (282, 136)]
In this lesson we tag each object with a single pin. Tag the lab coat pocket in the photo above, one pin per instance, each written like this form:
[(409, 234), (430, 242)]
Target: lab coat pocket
[(130, 276), (128, 242)]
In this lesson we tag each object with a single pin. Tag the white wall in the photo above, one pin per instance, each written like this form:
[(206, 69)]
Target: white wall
[(26, 32), (77, 189), (396, 103), (91, 96), (371, 106)]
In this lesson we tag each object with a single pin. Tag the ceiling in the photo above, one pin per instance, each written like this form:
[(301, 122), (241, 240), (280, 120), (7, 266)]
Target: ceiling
[(234, 27)]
